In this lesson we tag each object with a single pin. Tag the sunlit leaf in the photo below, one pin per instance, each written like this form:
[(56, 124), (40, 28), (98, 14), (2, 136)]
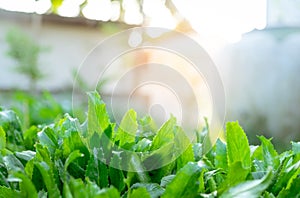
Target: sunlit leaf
[(165, 134), (139, 192), (98, 119), (153, 189), (238, 155), (185, 182), (8, 192), (2, 138), (127, 129), (250, 189)]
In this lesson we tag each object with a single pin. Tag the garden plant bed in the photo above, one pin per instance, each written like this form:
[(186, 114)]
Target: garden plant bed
[(99, 158)]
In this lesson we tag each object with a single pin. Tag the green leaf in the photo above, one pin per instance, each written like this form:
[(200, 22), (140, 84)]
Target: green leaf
[(2, 139), (30, 137), (166, 180), (270, 156), (165, 134), (153, 189), (296, 169), (127, 129), (148, 127), (74, 155), (238, 155), (95, 141), (211, 184), (29, 168), (185, 182), (76, 188), (220, 159), (8, 192), (160, 157), (296, 147), (197, 148), (11, 125), (26, 186), (201, 188), (108, 193), (292, 191), (286, 176), (47, 170), (236, 174), (98, 119), (106, 142), (43, 155), (96, 169), (75, 142), (48, 178), (139, 192), (250, 189), (25, 155), (13, 164), (142, 146), (183, 148), (258, 154), (137, 167), (268, 195), (237, 145), (47, 137), (204, 137), (115, 174), (66, 191), (66, 126)]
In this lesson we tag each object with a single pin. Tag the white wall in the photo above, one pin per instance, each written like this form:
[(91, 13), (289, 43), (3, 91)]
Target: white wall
[(261, 76), (67, 47)]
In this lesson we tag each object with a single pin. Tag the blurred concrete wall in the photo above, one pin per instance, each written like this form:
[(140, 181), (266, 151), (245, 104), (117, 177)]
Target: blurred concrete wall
[(261, 77), (68, 41)]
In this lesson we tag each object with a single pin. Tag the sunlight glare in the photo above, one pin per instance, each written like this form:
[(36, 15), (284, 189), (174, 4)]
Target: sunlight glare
[(162, 17), (228, 19), (69, 8), (17, 5), (132, 13), (116, 9), (98, 10), (42, 6)]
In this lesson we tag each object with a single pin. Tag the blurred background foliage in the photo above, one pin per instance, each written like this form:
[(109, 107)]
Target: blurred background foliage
[(25, 51)]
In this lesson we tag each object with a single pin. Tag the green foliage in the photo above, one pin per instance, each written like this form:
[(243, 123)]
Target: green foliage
[(186, 178), (238, 154), (250, 188), (127, 129), (11, 131), (38, 109), (135, 159)]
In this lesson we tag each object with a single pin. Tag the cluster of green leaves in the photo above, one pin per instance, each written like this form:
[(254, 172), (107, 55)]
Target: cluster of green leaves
[(135, 159), (37, 109)]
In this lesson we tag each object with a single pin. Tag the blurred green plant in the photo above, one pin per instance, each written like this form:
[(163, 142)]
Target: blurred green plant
[(25, 51), (37, 109), (82, 84), (41, 108)]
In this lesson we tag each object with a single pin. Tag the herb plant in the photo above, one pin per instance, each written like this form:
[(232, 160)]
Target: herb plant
[(69, 159)]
